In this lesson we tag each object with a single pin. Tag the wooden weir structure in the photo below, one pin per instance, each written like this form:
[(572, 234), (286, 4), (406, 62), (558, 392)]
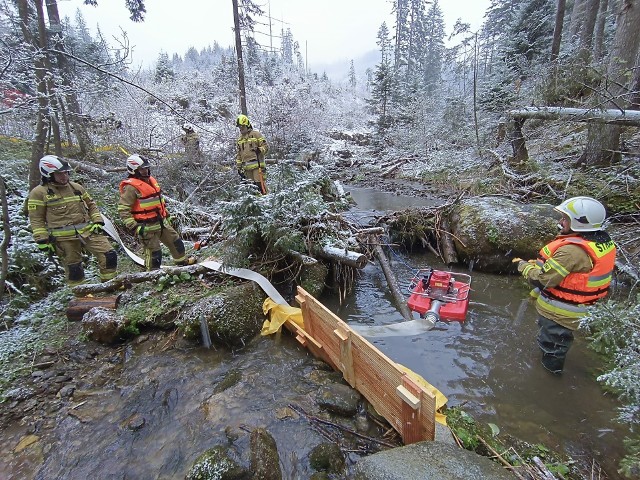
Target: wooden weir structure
[(407, 406)]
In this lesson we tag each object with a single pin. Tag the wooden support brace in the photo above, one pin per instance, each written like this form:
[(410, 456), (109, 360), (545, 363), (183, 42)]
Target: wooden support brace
[(408, 397), (412, 430), (346, 358)]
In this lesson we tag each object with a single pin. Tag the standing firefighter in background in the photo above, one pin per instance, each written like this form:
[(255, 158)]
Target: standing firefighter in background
[(65, 220), (142, 210), (572, 272), (191, 142), (252, 148)]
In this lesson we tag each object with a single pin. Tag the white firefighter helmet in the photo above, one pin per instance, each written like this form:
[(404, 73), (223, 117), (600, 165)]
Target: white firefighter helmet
[(51, 164), (187, 127), (135, 161), (585, 213)]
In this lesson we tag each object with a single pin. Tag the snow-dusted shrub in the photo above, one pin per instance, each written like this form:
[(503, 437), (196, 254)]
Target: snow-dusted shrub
[(614, 328)]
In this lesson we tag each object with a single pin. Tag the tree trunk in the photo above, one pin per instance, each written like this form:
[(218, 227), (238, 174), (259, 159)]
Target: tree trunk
[(75, 112), (557, 31), (577, 17), (610, 117), (586, 32), (598, 41), (42, 119), (241, 87), (77, 307), (394, 289), (340, 255), (520, 153), (603, 140), (6, 238)]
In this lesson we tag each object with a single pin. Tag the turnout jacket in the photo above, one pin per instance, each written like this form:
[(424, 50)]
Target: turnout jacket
[(61, 212), (570, 274), (141, 202), (251, 150)]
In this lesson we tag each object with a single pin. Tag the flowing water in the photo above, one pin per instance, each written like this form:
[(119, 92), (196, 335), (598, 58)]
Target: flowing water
[(490, 364), (147, 411)]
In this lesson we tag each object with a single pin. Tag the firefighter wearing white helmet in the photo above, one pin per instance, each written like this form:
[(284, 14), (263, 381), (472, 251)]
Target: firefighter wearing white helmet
[(191, 142), (571, 273), (251, 149), (143, 211), (66, 221)]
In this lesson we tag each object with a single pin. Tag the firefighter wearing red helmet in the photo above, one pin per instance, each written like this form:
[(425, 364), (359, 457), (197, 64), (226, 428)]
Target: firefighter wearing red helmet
[(66, 221), (571, 273), (251, 149), (143, 212)]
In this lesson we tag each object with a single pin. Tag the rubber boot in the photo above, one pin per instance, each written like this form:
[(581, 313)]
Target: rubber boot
[(553, 363)]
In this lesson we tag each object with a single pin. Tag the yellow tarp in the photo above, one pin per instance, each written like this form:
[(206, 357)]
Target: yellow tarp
[(278, 314)]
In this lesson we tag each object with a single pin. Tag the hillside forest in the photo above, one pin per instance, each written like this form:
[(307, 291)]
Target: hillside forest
[(539, 104)]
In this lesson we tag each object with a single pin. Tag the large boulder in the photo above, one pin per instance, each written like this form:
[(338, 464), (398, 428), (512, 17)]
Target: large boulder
[(428, 460), (234, 316), (490, 231)]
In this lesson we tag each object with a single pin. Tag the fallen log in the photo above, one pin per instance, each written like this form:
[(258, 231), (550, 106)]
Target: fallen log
[(611, 116), (393, 168), (397, 295), (341, 255), (448, 248), (78, 306), (125, 280)]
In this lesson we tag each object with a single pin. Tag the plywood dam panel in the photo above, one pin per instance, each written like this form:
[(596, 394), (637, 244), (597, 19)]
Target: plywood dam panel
[(407, 406)]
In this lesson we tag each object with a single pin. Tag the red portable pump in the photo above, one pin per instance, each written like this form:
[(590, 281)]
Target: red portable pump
[(437, 294)]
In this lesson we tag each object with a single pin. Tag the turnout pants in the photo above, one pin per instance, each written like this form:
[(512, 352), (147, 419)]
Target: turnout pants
[(554, 340), (70, 252), (153, 237)]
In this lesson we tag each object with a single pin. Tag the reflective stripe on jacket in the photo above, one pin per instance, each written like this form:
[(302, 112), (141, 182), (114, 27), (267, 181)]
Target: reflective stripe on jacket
[(577, 290), (246, 146), (61, 211), (149, 206)]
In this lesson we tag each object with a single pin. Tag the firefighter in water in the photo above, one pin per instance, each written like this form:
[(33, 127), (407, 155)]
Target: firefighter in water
[(251, 150), (572, 272), (66, 221), (143, 212), (191, 142)]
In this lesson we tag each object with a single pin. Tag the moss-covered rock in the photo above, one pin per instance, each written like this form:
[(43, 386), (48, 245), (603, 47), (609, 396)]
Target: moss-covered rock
[(216, 464), (327, 457), (234, 315), (265, 462), (313, 277), (490, 231)]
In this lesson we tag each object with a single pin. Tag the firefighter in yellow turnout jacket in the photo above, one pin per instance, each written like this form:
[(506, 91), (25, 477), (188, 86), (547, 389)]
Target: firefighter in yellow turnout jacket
[(572, 272), (142, 210), (251, 149), (65, 220)]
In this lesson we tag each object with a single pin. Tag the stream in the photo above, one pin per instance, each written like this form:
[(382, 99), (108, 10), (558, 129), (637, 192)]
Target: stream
[(490, 364), (147, 409)]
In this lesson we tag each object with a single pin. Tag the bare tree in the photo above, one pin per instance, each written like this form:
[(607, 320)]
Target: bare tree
[(557, 31), (603, 141), (241, 87), (73, 106), (6, 239)]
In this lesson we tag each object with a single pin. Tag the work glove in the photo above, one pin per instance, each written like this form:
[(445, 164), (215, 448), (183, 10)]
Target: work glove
[(241, 173), (46, 247), (524, 267), (140, 230), (97, 228)]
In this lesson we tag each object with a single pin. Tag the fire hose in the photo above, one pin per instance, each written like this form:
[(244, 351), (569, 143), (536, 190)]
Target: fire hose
[(243, 273)]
